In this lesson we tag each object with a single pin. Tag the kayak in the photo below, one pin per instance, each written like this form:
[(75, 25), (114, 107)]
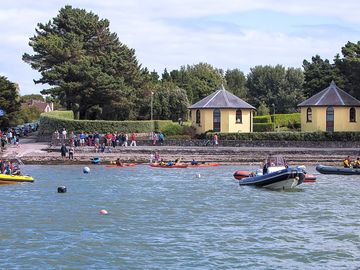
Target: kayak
[(170, 167), (238, 175), (204, 165), (8, 179), (122, 166), (337, 170)]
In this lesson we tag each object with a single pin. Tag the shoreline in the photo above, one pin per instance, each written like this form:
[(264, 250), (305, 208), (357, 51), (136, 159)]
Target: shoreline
[(40, 153)]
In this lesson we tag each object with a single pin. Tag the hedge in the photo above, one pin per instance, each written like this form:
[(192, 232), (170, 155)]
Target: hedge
[(263, 127), (262, 119), (49, 122), (60, 114), (289, 136), (292, 120)]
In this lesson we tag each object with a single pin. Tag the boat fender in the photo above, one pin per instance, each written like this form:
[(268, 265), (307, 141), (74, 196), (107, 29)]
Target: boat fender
[(61, 189)]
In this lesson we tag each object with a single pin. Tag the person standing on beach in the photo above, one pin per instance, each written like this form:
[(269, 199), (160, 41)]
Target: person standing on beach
[(71, 152), (63, 150)]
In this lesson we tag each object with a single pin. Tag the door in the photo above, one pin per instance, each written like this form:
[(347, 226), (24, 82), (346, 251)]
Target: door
[(330, 119), (216, 120)]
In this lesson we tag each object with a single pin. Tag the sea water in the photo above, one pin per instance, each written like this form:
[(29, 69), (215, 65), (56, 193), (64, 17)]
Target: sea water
[(174, 219)]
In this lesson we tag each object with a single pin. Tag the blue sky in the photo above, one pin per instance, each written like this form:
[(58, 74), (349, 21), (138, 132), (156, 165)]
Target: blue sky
[(169, 34)]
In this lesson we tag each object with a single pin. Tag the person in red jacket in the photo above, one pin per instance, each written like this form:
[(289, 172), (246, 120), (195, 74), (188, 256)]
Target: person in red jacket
[(133, 139)]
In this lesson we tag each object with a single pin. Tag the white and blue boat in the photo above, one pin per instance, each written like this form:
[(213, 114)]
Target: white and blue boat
[(287, 178)]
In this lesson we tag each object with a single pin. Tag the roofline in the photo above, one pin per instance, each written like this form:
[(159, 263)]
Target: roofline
[(328, 105), (202, 108)]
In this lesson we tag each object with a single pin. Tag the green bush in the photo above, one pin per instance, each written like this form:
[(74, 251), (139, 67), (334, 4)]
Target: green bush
[(172, 129), (263, 127), (60, 114), (49, 122), (262, 119), (288, 120)]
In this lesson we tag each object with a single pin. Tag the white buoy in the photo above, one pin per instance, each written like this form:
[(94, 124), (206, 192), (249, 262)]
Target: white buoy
[(198, 175), (86, 170)]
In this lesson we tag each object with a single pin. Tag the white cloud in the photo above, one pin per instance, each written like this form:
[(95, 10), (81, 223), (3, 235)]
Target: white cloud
[(145, 26)]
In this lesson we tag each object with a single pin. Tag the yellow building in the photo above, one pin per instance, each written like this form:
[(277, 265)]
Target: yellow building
[(330, 110), (222, 111)]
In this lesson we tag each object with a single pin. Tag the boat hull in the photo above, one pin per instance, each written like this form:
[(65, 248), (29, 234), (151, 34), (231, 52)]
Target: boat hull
[(284, 179), (337, 170), (238, 175), (8, 179)]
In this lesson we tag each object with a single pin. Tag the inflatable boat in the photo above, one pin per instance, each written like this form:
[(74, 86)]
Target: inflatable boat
[(8, 179), (287, 178), (337, 170), (238, 175)]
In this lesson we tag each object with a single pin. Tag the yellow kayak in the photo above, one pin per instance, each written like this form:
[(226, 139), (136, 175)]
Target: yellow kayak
[(8, 179)]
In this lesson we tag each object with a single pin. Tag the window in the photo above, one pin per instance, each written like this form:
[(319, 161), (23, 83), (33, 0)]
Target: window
[(216, 120), (352, 115), (238, 116), (308, 115), (197, 116)]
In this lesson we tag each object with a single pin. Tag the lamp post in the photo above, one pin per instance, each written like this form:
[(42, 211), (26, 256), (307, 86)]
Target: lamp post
[(151, 106), (273, 105)]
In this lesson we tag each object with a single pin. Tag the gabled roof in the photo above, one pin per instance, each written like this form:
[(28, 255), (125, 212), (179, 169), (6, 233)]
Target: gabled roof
[(331, 96), (221, 99)]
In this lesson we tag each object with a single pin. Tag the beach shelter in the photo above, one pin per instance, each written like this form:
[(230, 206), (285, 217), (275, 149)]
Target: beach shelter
[(332, 109), (222, 111)]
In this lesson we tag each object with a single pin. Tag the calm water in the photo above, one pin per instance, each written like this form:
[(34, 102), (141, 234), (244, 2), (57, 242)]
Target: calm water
[(171, 219)]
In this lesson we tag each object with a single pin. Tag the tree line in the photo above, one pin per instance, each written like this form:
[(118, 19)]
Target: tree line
[(98, 77)]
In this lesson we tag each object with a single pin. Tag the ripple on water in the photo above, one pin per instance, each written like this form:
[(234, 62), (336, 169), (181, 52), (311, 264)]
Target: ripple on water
[(171, 219)]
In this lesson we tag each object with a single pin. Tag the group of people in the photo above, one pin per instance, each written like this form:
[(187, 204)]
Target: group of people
[(7, 167), (94, 138), (349, 164)]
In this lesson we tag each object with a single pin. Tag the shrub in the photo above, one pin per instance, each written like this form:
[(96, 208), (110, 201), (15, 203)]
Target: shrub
[(49, 122), (263, 127), (262, 119)]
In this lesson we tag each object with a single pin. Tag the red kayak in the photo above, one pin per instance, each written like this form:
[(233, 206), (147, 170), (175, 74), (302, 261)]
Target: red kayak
[(172, 166), (309, 178), (121, 166), (204, 165)]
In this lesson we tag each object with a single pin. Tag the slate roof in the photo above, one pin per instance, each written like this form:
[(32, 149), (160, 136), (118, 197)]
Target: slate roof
[(221, 99), (331, 96)]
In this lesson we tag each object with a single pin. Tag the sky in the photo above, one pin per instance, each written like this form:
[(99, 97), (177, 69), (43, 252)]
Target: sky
[(169, 34)]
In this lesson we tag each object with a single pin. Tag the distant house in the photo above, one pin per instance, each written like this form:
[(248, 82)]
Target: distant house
[(222, 111), (41, 105), (330, 110)]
